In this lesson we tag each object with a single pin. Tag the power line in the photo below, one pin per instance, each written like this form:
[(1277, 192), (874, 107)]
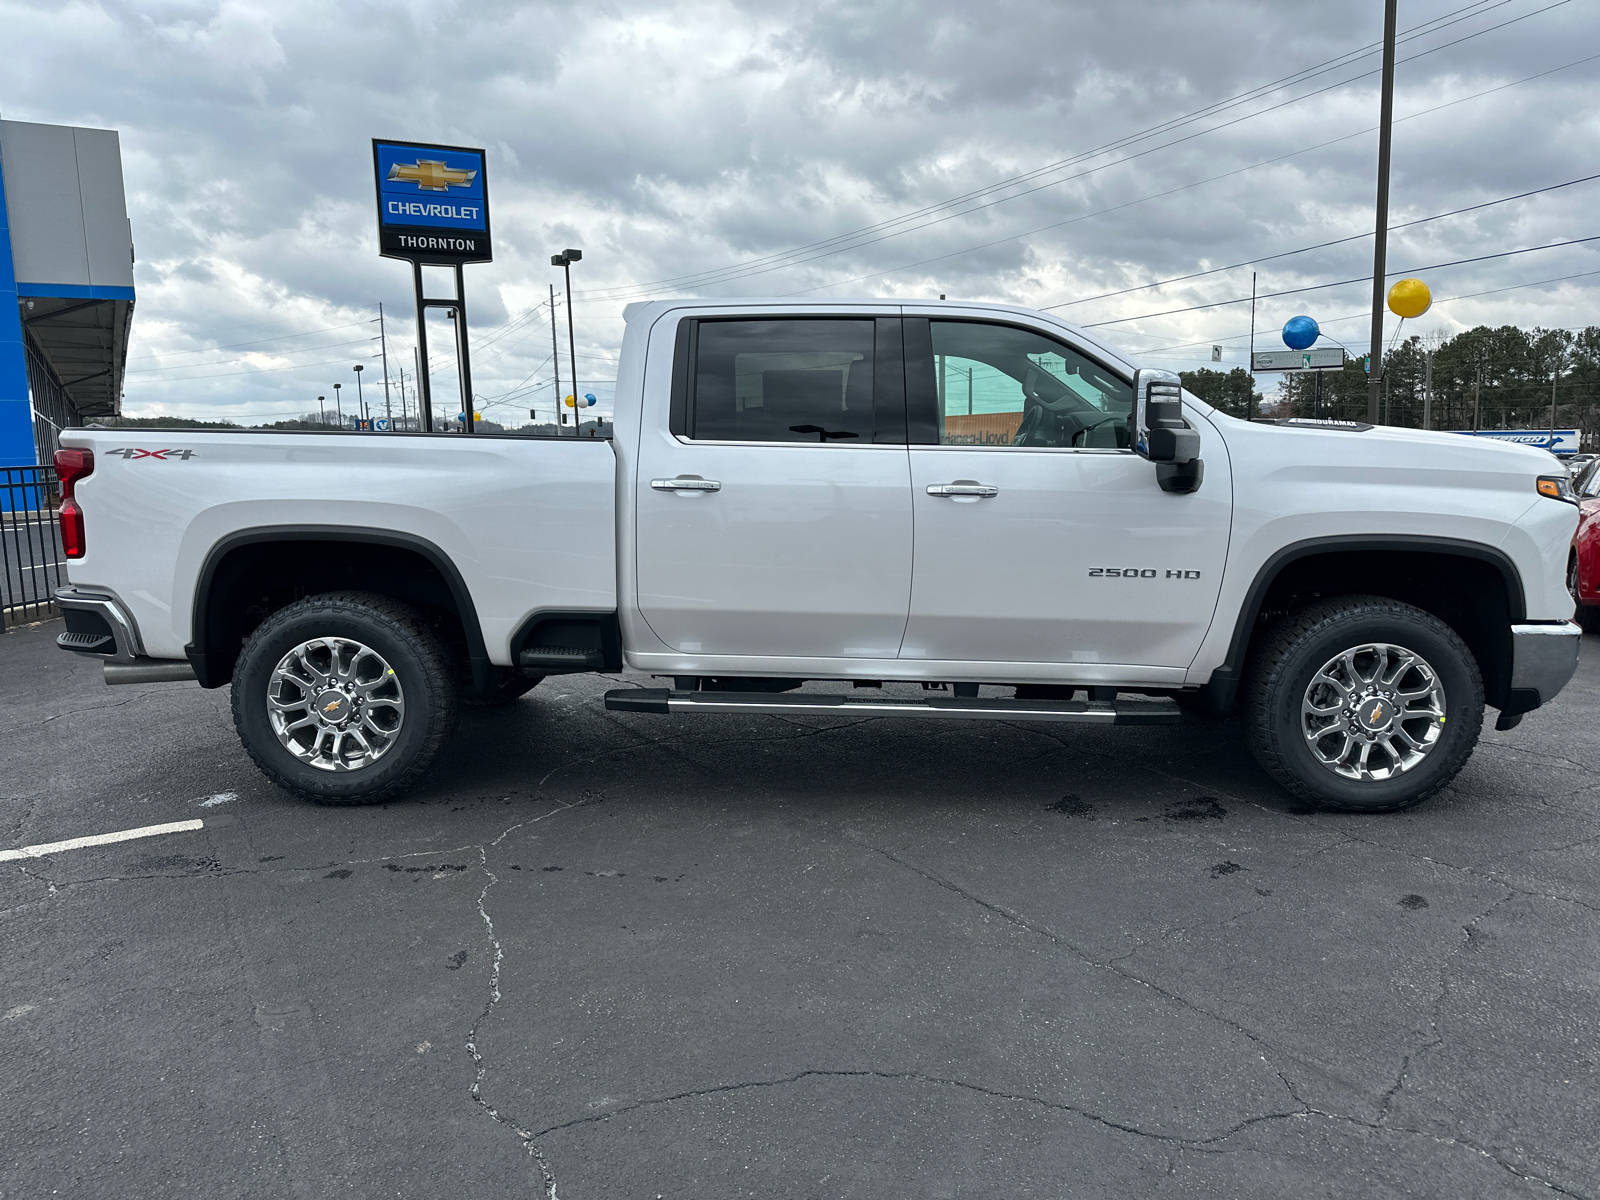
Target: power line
[(1355, 237), (755, 267), (1317, 287), (1365, 313)]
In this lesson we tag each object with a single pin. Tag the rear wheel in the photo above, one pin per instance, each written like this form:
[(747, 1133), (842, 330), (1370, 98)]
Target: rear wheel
[(344, 698), (1364, 704)]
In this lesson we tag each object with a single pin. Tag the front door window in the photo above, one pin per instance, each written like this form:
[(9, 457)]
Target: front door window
[(998, 385)]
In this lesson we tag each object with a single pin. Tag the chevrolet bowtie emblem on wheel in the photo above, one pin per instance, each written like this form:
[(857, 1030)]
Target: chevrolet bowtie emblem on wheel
[(331, 705), (431, 176)]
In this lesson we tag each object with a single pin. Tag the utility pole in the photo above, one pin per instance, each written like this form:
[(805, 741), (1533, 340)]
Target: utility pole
[(1250, 392), (1555, 374), (1477, 395), (401, 371), (383, 342), (555, 359), (1381, 240), (1427, 390), (422, 396), (564, 260)]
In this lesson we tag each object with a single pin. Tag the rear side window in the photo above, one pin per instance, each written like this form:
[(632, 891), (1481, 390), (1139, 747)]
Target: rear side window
[(782, 381)]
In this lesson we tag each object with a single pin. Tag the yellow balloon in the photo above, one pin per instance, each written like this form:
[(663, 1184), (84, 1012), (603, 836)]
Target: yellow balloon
[(1410, 298), (571, 402)]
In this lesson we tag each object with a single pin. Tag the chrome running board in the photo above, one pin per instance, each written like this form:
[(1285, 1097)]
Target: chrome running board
[(790, 704)]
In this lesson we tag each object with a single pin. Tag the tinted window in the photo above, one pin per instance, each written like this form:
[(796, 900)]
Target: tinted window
[(783, 381), (998, 385)]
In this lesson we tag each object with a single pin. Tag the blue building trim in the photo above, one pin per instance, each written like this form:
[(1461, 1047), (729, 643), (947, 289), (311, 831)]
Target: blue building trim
[(71, 291), (16, 415)]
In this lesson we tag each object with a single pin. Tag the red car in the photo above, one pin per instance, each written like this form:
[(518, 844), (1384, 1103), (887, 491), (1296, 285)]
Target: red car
[(1583, 569)]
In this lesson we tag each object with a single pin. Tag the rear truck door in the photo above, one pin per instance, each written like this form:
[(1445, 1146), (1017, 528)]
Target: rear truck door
[(774, 510), (1040, 535)]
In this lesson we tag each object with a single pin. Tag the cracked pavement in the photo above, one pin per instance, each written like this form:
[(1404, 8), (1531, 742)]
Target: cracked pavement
[(621, 955)]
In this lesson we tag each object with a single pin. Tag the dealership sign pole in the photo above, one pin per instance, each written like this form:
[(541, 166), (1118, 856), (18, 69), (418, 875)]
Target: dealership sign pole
[(433, 210)]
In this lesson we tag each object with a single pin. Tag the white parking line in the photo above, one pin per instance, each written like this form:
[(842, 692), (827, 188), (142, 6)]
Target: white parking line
[(100, 839)]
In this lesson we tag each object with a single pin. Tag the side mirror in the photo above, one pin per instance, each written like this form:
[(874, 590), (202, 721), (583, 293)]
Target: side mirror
[(1160, 433)]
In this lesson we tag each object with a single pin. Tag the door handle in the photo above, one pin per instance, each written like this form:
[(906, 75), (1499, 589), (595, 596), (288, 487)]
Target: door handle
[(962, 488), (686, 483)]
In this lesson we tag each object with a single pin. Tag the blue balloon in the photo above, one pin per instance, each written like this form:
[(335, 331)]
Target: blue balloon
[(1299, 333), (589, 396)]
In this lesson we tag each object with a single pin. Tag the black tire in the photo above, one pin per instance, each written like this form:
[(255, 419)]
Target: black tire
[(406, 643), (512, 685), (1587, 615), (1290, 655)]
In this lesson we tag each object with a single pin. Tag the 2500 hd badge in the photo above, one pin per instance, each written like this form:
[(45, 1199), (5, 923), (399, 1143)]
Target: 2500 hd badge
[(1139, 573)]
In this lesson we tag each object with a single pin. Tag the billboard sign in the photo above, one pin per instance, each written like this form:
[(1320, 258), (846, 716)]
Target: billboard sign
[(1565, 440), (433, 202), (1329, 359)]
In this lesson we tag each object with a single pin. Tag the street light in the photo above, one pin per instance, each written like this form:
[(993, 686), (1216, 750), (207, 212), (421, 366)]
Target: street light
[(322, 416), (337, 407), (361, 405), (564, 260)]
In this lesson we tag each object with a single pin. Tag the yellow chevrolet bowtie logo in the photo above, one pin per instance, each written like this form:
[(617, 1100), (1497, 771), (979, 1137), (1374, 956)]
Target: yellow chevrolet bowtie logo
[(431, 176), (331, 705)]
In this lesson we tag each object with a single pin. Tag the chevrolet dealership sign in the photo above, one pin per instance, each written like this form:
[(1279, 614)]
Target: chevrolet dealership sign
[(433, 202)]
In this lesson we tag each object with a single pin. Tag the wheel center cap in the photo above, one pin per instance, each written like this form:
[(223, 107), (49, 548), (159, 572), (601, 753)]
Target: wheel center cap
[(1374, 714), (331, 706)]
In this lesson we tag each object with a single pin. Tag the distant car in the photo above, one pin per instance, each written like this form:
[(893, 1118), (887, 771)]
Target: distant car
[(1583, 569)]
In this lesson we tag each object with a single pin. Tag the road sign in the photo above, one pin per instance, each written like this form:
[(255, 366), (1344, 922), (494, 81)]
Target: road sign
[(1216, 354), (1327, 359), (433, 202), (1566, 440)]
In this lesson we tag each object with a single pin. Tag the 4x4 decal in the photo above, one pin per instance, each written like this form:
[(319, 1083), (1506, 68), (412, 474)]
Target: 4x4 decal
[(163, 455)]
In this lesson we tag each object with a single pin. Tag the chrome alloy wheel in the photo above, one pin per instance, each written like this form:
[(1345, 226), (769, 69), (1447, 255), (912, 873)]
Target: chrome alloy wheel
[(1373, 712), (335, 704)]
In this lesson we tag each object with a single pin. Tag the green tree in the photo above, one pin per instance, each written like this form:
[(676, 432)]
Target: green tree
[(1233, 392)]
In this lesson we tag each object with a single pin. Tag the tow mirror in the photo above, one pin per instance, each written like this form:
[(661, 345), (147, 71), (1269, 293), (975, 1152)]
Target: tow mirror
[(1162, 435)]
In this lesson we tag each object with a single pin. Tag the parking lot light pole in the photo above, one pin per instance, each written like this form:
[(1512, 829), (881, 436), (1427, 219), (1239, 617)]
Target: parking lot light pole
[(564, 260), (322, 416), (1381, 246), (338, 409), (361, 405)]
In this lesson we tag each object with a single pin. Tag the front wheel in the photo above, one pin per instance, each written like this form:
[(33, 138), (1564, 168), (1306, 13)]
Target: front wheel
[(344, 698), (1364, 704)]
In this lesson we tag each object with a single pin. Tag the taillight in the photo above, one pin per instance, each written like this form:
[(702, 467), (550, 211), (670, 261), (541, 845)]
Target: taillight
[(72, 528), (71, 466)]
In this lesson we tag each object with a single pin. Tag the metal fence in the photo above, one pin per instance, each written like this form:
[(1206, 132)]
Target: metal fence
[(32, 564)]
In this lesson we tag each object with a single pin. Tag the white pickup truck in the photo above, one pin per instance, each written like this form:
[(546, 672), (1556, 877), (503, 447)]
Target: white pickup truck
[(978, 499)]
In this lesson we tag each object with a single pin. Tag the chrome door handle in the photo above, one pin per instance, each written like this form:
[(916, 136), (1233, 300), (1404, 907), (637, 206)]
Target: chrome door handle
[(686, 483), (962, 489)]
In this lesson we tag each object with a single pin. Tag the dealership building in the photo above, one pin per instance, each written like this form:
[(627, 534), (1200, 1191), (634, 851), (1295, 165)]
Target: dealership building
[(66, 284)]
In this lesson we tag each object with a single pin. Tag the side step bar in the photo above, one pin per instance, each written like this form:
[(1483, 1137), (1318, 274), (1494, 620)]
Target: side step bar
[(1078, 712)]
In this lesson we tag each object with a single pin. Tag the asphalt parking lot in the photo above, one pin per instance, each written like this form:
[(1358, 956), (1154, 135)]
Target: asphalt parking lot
[(617, 955)]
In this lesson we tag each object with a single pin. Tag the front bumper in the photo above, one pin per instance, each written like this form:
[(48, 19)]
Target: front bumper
[(1543, 659)]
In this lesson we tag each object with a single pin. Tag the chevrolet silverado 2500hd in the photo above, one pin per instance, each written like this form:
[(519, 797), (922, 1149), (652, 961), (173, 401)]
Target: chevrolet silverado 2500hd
[(980, 499)]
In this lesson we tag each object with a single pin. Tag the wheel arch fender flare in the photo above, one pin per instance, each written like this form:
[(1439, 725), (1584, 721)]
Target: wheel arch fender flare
[(196, 650), (1223, 686)]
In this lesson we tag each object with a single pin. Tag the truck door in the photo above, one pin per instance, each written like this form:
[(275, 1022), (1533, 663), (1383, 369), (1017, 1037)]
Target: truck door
[(1040, 536), (774, 507)]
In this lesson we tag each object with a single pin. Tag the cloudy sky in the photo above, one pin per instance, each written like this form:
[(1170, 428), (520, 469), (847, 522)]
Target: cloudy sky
[(1015, 150)]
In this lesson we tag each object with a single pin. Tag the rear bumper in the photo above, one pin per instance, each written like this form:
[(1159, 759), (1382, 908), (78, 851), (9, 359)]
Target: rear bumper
[(1543, 659), (125, 645)]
